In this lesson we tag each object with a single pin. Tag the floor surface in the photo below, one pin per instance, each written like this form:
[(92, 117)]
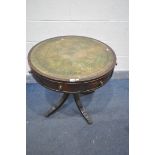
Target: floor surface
[(67, 133)]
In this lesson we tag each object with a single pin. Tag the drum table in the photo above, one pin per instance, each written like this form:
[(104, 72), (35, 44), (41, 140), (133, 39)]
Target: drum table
[(72, 65)]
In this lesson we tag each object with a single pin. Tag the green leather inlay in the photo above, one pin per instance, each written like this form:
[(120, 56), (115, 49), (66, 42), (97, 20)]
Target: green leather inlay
[(71, 57)]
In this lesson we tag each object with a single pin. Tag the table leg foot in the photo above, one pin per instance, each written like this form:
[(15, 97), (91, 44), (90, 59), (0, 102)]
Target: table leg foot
[(58, 105), (86, 116)]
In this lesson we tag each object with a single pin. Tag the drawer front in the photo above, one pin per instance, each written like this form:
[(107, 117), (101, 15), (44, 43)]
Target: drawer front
[(72, 87)]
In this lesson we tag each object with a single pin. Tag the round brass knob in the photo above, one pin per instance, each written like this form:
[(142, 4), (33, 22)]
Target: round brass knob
[(60, 87), (101, 83)]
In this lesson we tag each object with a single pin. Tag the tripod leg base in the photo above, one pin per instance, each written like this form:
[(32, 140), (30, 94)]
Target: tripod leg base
[(82, 110), (58, 105)]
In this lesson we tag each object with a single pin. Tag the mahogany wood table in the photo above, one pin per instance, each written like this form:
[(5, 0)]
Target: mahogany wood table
[(72, 65)]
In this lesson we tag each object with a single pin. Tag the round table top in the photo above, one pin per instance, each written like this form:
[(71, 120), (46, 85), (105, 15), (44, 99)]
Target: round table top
[(71, 58)]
